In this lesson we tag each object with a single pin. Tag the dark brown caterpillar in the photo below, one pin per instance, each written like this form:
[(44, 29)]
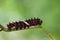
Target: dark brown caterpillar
[(24, 24)]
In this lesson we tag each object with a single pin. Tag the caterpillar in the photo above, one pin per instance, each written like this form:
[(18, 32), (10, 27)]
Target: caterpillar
[(24, 24)]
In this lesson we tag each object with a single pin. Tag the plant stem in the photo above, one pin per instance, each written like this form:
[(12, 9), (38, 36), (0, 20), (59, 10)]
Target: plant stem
[(49, 34)]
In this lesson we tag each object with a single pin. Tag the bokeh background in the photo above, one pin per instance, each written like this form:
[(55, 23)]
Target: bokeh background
[(16, 10)]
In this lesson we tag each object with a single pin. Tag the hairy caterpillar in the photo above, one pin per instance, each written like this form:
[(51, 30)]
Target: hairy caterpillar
[(24, 24)]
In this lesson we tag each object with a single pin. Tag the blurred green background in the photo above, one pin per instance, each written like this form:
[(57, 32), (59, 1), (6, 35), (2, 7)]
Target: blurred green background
[(15, 10)]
